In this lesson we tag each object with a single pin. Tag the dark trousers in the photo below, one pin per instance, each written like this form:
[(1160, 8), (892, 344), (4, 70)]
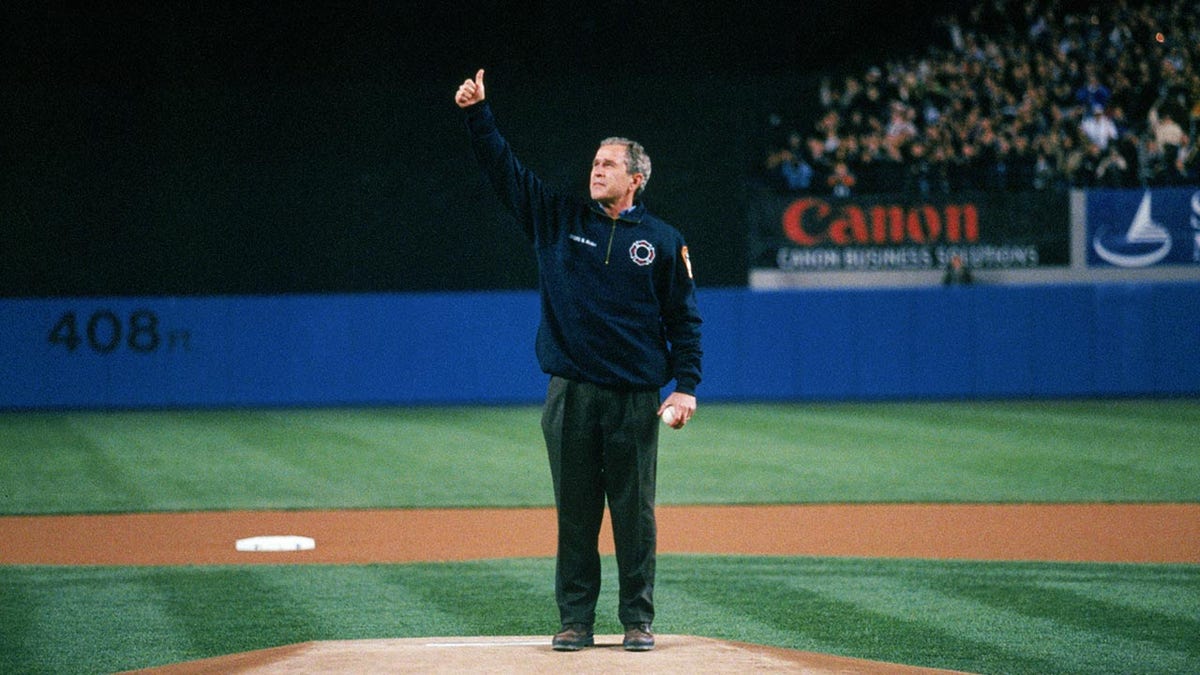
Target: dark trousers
[(602, 443)]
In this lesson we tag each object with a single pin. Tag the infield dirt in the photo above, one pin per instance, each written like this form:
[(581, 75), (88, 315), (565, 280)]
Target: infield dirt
[(1144, 533)]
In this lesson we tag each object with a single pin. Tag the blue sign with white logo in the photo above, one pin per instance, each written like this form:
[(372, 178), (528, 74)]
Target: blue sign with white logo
[(1143, 228)]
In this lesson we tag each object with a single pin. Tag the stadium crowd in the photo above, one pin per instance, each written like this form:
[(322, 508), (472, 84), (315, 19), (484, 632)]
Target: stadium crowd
[(1013, 95)]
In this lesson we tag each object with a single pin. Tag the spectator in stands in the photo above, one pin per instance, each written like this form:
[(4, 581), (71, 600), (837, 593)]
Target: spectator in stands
[(968, 171), (841, 182), (1113, 169), (817, 158), (1087, 168), (1166, 130), (1022, 164), (1189, 165), (1033, 70), (1194, 97), (868, 165), (1045, 171), (890, 170), (786, 167), (1152, 163), (1181, 165), (1099, 128), (828, 127), (957, 273), (900, 127), (1093, 94), (920, 177), (939, 162), (1116, 113)]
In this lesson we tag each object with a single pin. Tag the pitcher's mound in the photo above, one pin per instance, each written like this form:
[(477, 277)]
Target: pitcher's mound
[(673, 654)]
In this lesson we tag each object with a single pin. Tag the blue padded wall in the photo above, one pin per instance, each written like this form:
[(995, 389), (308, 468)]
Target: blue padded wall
[(313, 350)]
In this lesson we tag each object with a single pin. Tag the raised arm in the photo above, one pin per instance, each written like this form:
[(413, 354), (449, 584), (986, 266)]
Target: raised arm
[(470, 91), (519, 189)]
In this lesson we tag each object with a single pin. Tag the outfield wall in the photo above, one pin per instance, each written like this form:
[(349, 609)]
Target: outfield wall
[(315, 350)]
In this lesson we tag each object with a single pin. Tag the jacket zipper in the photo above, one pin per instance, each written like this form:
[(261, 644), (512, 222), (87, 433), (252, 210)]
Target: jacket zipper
[(611, 235)]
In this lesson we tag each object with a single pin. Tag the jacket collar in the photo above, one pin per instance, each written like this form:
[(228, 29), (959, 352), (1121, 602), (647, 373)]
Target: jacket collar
[(632, 214)]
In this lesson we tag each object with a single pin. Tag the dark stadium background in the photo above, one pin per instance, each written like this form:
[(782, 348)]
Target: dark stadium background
[(257, 148)]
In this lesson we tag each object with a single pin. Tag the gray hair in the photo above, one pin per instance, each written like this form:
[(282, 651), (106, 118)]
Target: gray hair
[(636, 159)]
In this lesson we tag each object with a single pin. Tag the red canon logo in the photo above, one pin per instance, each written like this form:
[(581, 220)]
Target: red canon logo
[(810, 222)]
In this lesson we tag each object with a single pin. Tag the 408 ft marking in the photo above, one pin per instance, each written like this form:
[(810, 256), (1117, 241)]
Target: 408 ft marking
[(105, 332)]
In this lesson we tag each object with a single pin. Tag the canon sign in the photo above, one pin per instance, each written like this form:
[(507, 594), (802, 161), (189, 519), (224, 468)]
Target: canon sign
[(899, 231), (814, 222)]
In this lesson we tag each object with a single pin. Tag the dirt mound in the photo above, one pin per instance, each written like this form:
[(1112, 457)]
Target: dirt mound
[(674, 654)]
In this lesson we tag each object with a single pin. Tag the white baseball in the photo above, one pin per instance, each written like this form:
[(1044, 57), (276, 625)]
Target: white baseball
[(668, 415)]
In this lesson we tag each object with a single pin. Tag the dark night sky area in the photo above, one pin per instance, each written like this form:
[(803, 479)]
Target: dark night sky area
[(147, 44), (230, 147)]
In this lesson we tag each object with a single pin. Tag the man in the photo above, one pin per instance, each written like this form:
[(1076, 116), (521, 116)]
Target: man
[(618, 323), (957, 272), (1099, 129)]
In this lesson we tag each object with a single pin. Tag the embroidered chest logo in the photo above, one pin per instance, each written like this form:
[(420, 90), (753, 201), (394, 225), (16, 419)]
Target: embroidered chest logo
[(642, 252)]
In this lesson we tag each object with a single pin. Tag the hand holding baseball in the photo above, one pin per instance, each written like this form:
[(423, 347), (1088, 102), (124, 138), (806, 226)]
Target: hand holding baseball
[(668, 416), (677, 410), (470, 91)]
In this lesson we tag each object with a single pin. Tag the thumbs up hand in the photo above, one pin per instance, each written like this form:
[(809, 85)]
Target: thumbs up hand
[(470, 91)]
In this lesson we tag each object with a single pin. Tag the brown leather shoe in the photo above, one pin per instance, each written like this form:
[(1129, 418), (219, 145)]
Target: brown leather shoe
[(573, 637), (638, 638)]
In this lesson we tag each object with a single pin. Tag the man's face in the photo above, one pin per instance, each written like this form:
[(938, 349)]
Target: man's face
[(610, 180)]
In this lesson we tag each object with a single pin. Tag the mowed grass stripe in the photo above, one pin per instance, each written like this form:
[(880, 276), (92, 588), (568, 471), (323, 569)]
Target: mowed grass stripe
[(967, 616), (1001, 617), (84, 620), (1052, 451), (219, 597), (1066, 618), (689, 602), (827, 606), (516, 598), (952, 629), (1051, 627), (965, 451), (26, 638), (55, 459), (1152, 592)]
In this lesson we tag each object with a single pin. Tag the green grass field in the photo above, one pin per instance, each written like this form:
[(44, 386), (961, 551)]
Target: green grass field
[(982, 617)]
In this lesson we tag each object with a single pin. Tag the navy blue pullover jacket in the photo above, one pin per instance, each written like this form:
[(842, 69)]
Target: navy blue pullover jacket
[(618, 301)]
